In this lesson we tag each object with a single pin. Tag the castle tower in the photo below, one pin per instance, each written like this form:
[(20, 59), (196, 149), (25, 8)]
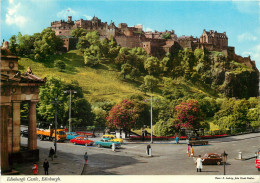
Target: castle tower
[(69, 19)]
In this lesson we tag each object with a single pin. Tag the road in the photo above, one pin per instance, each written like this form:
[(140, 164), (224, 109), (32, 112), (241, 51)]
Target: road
[(168, 158)]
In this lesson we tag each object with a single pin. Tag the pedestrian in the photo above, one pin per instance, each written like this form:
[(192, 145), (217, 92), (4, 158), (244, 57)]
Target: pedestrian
[(142, 135), (35, 169), (188, 150), (86, 157), (51, 153), (148, 150), (199, 163), (191, 151), (46, 167), (65, 129), (187, 140), (177, 139)]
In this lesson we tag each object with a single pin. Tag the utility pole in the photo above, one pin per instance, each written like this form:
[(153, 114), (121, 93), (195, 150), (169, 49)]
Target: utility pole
[(55, 102), (70, 91)]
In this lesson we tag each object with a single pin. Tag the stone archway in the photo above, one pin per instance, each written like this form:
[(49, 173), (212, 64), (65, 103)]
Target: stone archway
[(15, 88)]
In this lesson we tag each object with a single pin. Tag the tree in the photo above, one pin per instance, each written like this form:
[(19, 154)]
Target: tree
[(81, 109), (233, 114), (13, 44), (122, 115), (100, 117), (92, 55), (46, 109), (152, 65), (82, 43), (164, 128), (150, 82), (60, 65), (253, 116), (25, 44), (93, 38), (188, 115), (78, 32), (126, 69), (46, 44)]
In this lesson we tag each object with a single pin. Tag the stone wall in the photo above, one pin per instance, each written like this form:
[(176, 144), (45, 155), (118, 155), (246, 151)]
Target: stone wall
[(130, 42)]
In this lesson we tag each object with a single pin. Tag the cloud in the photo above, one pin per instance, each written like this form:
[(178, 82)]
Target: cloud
[(247, 6), (63, 14), (256, 54), (246, 37), (147, 29), (13, 15), (88, 17)]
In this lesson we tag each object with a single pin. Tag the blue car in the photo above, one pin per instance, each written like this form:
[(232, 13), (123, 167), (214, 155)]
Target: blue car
[(71, 135), (107, 143)]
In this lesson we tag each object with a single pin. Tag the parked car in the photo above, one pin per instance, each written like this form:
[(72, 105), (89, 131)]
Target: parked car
[(88, 134), (212, 159), (82, 140), (112, 138), (107, 143), (257, 161), (24, 133), (71, 135)]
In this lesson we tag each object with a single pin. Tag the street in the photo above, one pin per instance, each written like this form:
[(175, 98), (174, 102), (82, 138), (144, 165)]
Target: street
[(167, 158)]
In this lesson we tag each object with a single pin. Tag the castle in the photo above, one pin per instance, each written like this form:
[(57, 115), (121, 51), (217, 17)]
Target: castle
[(154, 43)]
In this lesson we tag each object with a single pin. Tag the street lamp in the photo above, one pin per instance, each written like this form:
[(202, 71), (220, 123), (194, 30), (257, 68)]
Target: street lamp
[(70, 91), (55, 102), (151, 117), (224, 158)]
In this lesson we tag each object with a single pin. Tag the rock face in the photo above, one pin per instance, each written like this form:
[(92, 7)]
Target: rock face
[(241, 85)]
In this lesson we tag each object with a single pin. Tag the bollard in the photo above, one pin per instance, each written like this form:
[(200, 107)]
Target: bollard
[(239, 155), (150, 152), (113, 146)]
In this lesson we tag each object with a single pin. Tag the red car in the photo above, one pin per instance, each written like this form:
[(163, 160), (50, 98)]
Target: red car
[(212, 159), (257, 161), (82, 140)]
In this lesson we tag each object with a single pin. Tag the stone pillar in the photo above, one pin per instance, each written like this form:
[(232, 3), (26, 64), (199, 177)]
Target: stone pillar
[(4, 139), (16, 126), (32, 136), (10, 129)]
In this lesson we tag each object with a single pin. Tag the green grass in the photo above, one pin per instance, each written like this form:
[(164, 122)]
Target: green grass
[(101, 83)]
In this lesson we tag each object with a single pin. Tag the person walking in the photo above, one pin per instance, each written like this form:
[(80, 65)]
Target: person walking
[(177, 139), (86, 157), (199, 163), (188, 150), (148, 149), (46, 167), (191, 151), (51, 153), (35, 169)]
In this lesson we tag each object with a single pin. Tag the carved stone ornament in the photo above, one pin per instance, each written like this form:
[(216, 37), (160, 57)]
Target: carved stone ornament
[(11, 65)]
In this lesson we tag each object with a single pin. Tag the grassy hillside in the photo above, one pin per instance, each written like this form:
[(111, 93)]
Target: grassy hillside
[(100, 83)]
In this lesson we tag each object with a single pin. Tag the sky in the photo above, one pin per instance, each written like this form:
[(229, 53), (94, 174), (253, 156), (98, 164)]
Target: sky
[(239, 19)]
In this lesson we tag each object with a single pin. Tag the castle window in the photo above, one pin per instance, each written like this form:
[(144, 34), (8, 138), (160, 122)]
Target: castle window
[(60, 32)]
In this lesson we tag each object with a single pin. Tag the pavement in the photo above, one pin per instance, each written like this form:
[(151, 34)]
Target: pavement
[(131, 159)]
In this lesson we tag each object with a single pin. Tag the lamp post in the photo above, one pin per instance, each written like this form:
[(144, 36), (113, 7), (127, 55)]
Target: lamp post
[(70, 91), (151, 117), (55, 103), (224, 161)]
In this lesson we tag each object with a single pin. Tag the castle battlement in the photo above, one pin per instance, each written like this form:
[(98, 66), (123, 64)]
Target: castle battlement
[(135, 37)]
